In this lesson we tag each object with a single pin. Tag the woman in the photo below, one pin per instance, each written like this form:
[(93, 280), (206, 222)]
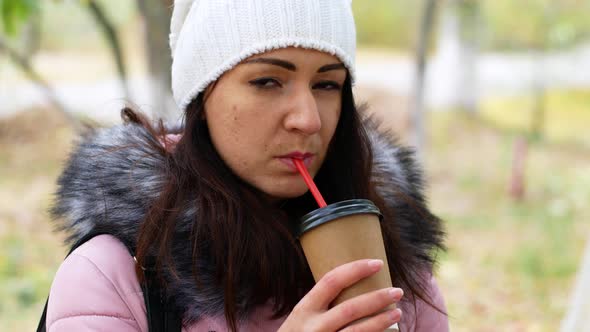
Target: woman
[(212, 206)]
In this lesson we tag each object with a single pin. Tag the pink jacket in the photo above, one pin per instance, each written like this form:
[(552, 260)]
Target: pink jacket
[(96, 289)]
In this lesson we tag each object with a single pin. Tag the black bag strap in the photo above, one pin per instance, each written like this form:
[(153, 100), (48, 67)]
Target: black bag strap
[(42, 322), (160, 315)]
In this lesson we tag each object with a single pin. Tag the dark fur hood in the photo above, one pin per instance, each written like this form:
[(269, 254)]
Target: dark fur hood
[(114, 173)]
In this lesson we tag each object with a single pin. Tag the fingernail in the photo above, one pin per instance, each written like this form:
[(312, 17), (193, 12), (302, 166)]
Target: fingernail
[(396, 314), (396, 293), (375, 264)]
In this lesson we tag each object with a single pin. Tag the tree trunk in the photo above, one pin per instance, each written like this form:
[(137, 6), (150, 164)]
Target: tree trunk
[(539, 84), (539, 104), (112, 39), (31, 37), (468, 11), (517, 180), (417, 114), (156, 15), (457, 54)]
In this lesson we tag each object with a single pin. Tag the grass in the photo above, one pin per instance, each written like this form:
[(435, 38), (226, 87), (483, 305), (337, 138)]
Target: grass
[(510, 265), (567, 115), (32, 146)]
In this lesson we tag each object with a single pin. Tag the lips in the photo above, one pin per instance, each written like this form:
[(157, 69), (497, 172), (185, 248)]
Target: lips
[(288, 159)]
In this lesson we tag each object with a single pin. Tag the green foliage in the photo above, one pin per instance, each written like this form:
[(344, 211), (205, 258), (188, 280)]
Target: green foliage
[(566, 116), (539, 24), (68, 24), (506, 24), (13, 13), (387, 23), (520, 257)]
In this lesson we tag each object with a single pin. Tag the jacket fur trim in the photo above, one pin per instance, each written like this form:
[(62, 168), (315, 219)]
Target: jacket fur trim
[(114, 173)]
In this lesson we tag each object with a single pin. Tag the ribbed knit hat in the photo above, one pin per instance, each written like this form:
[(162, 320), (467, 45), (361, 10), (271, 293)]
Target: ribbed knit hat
[(210, 37)]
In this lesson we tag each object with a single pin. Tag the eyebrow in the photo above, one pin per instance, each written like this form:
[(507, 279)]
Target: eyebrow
[(291, 67)]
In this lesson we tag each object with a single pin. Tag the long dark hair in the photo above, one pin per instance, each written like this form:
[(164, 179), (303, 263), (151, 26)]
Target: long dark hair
[(250, 242)]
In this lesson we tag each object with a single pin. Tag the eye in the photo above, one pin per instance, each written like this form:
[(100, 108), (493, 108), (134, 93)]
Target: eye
[(265, 83), (328, 85)]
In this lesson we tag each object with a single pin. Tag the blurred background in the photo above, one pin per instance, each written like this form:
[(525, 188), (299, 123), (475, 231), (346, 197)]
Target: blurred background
[(494, 95)]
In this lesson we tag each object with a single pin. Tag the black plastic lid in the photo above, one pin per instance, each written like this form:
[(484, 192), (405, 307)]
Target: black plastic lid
[(334, 211)]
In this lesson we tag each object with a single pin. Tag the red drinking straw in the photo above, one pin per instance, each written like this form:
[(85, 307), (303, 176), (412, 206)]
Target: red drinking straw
[(309, 181)]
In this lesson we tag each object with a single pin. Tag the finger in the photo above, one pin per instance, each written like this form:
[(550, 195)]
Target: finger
[(360, 306), (377, 323), (333, 282)]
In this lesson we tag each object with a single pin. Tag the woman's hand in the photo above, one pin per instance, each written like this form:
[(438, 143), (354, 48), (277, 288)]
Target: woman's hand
[(312, 313)]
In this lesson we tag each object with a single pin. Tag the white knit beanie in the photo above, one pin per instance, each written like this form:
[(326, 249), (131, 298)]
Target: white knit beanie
[(210, 37)]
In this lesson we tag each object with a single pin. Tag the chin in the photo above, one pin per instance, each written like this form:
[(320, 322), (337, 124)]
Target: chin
[(286, 192)]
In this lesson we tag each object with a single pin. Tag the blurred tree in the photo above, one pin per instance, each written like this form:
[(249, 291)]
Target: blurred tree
[(112, 39), (468, 14), (157, 15), (386, 23), (20, 20), (31, 35), (458, 51), (25, 65), (548, 25), (15, 15), (538, 85), (524, 24), (417, 113), (517, 179)]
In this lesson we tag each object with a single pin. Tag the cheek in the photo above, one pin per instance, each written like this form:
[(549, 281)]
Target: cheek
[(330, 117), (234, 134), (223, 127)]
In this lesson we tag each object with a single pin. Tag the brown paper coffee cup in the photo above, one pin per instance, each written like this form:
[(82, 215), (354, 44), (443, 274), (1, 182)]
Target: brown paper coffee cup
[(341, 233)]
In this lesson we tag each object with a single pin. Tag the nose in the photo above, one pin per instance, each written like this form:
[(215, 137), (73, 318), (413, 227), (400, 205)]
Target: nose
[(303, 115)]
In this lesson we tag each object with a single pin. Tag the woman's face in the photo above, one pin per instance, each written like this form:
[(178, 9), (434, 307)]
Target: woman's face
[(271, 107)]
